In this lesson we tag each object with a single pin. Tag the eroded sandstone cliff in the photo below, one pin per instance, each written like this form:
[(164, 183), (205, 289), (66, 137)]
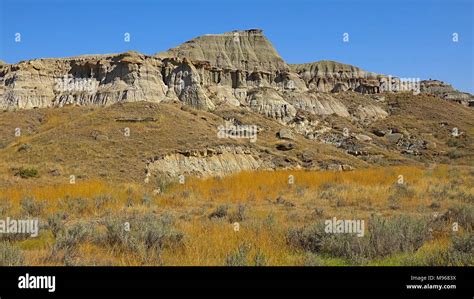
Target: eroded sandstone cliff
[(239, 68)]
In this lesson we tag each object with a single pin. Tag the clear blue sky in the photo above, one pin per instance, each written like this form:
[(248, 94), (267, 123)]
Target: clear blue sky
[(405, 38)]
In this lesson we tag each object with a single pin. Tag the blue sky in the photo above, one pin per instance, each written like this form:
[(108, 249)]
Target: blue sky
[(405, 38)]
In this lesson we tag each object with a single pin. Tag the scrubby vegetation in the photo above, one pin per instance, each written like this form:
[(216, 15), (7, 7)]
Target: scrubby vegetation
[(249, 219), (10, 255), (386, 237), (26, 173)]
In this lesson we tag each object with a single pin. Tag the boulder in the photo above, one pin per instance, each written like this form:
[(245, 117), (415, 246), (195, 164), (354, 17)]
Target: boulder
[(285, 146), (393, 137), (362, 137), (379, 133), (285, 134), (99, 136)]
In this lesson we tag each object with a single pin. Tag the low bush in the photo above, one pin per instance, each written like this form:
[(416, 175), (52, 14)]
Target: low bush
[(384, 237), (242, 257), (5, 206), (238, 214), (78, 205), (26, 173), (101, 200), (463, 214), (220, 212), (239, 257), (459, 253), (55, 223), (24, 147), (146, 200), (399, 192), (140, 233), (308, 238), (10, 255), (455, 154), (69, 237), (31, 207)]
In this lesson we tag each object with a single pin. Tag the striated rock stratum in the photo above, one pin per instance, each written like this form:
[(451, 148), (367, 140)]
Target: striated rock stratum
[(236, 68), (219, 104)]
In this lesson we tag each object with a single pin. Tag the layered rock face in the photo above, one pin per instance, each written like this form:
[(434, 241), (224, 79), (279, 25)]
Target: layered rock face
[(218, 161), (84, 80), (239, 68), (247, 50), (331, 76), (447, 92)]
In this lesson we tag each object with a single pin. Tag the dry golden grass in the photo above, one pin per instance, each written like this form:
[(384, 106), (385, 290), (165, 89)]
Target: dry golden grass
[(263, 229)]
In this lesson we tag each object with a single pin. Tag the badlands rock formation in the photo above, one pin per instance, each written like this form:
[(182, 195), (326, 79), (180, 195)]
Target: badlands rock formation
[(207, 162), (320, 115), (447, 92), (239, 68), (246, 50), (331, 76)]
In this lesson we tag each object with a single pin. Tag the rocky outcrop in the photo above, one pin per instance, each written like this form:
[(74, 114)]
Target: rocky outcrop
[(447, 92), (83, 80), (207, 162), (238, 68), (331, 76), (247, 50), (369, 112), (270, 103), (316, 103)]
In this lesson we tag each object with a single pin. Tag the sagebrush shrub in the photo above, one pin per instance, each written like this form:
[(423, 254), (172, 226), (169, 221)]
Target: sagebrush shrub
[(10, 255), (70, 236), (239, 257), (31, 207), (220, 212), (239, 214), (142, 232), (462, 214), (400, 192), (384, 237), (101, 200), (26, 173)]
